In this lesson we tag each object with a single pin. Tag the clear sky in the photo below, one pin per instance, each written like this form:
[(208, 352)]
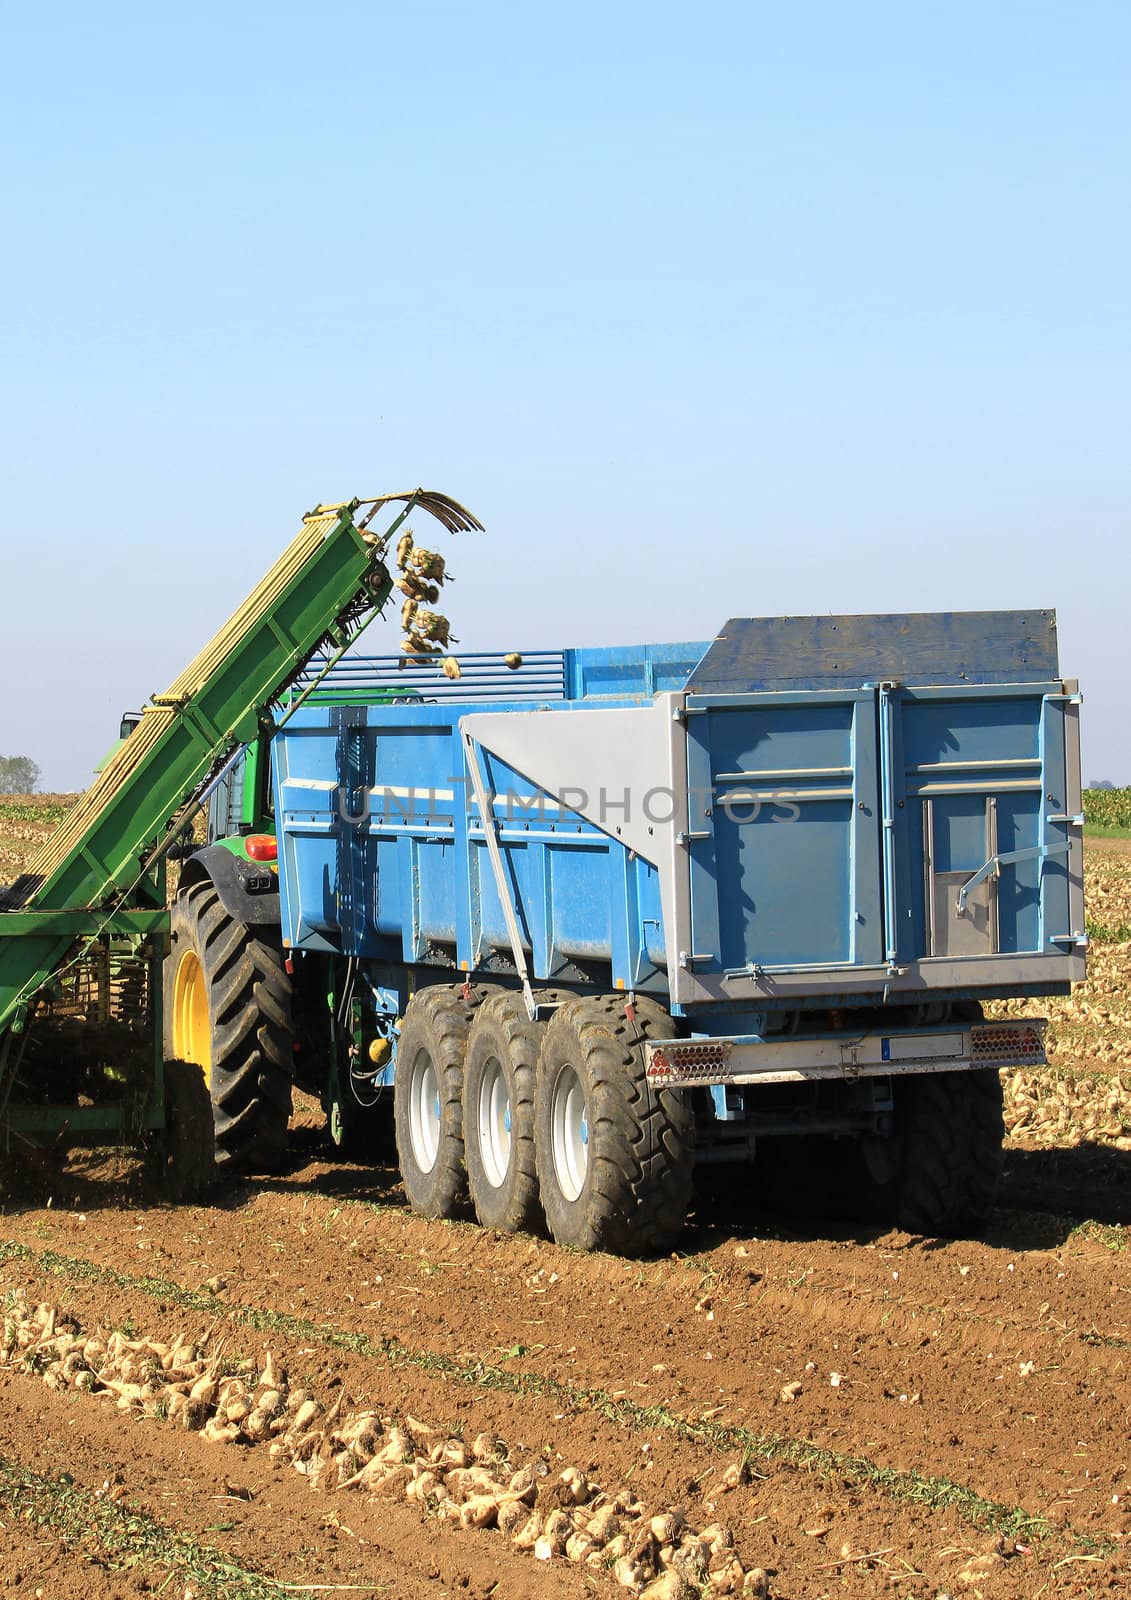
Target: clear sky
[(734, 308)]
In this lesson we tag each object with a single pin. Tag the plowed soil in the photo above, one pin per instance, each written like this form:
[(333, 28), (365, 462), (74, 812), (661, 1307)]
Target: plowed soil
[(954, 1399)]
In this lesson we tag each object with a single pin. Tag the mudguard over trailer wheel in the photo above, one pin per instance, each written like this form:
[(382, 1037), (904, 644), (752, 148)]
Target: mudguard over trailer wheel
[(228, 1011), (614, 1154), (428, 1096), (498, 1114)]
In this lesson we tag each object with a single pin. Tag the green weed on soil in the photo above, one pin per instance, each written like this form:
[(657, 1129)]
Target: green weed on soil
[(123, 1538)]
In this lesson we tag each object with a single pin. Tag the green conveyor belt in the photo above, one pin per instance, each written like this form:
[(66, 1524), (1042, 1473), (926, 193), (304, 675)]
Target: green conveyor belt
[(95, 858)]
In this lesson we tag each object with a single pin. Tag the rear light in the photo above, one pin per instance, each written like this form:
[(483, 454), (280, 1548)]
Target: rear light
[(1014, 1045), (261, 847), (688, 1060)]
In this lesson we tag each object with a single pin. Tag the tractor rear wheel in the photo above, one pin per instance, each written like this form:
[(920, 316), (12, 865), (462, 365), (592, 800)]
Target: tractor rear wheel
[(186, 1165), (228, 1011)]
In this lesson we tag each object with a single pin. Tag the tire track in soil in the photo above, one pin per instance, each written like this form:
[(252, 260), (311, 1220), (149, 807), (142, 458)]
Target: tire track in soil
[(311, 1241), (1052, 1438), (768, 1446), (786, 1517), (809, 1518)]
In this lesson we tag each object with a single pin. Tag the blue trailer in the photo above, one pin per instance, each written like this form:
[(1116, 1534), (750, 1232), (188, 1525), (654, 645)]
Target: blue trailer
[(620, 915)]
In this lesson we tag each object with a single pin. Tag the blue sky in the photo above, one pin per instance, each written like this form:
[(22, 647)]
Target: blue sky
[(741, 308)]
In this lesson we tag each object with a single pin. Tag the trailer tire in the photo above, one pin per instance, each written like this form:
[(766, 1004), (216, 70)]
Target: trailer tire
[(228, 1010), (614, 1155), (428, 1096), (498, 1100), (950, 1129)]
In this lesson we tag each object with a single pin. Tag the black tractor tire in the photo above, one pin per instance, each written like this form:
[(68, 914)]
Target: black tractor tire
[(185, 1158), (950, 1131), (498, 1114), (428, 1096), (250, 1029), (614, 1154)]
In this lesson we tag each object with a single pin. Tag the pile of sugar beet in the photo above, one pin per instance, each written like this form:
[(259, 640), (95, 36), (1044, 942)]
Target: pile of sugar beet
[(427, 633), (655, 1552)]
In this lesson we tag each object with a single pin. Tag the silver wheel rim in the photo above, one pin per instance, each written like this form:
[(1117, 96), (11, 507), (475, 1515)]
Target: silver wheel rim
[(569, 1133), (424, 1112), (494, 1124)]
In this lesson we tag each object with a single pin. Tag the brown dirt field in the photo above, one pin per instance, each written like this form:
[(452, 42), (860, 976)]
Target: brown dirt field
[(979, 1384)]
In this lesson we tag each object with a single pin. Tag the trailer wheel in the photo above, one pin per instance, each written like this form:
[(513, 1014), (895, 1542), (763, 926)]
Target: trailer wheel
[(614, 1154), (498, 1099), (949, 1128), (228, 1010), (428, 1097)]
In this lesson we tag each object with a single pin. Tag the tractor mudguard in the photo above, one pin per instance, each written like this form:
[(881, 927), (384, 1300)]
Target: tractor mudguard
[(248, 890)]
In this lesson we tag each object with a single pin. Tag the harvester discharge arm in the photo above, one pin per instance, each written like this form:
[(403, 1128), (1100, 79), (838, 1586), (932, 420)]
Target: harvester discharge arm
[(101, 875)]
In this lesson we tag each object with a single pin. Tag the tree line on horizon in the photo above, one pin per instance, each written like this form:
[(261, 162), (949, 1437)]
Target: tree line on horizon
[(18, 775)]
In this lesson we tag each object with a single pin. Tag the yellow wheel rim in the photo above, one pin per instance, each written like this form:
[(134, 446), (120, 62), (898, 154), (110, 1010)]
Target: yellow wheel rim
[(192, 1035)]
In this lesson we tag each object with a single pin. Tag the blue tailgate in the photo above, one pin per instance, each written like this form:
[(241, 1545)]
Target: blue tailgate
[(841, 830), (890, 834)]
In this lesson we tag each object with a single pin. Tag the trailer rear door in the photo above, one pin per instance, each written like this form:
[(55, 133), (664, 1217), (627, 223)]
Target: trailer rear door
[(891, 836)]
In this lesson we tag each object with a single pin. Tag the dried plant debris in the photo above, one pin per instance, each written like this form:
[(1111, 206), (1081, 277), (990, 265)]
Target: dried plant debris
[(656, 1552)]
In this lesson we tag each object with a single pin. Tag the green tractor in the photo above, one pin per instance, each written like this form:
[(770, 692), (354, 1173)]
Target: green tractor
[(230, 1001)]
